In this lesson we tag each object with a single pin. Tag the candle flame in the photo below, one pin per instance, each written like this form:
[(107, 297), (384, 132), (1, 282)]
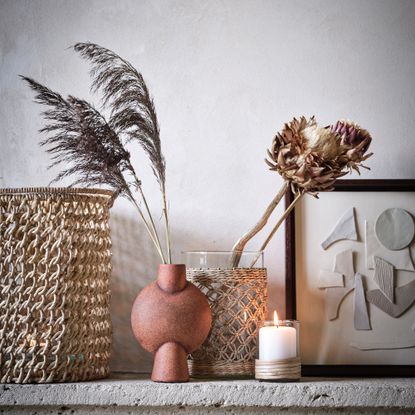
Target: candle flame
[(275, 318)]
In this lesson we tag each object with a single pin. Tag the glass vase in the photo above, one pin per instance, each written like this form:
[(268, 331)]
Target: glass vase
[(238, 300)]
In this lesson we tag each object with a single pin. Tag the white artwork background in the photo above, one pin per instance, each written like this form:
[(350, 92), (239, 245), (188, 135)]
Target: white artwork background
[(328, 342)]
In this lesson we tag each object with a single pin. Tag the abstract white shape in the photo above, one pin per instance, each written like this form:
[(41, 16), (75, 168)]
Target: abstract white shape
[(384, 277), (395, 228), (397, 344), (344, 229), (336, 295), (334, 298), (361, 316), (399, 259), (344, 265), (330, 279)]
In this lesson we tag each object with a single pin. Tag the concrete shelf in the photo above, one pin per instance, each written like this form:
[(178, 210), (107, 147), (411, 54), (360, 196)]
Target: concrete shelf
[(129, 394)]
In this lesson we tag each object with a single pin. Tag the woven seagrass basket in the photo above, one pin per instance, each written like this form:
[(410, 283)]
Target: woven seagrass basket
[(238, 300), (55, 253)]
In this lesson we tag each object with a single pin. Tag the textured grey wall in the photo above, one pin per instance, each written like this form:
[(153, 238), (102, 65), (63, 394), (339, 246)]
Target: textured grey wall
[(225, 75)]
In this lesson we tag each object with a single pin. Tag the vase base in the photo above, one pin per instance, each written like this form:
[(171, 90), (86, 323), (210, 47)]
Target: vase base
[(170, 364)]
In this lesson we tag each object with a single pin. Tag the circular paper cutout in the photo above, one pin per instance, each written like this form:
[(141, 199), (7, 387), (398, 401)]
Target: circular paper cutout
[(395, 228)]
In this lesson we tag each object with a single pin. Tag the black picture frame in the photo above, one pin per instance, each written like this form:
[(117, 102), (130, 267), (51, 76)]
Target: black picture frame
[(377, 185)]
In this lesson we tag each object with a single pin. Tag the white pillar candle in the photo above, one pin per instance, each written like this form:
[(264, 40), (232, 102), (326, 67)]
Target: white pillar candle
[(277, 342)]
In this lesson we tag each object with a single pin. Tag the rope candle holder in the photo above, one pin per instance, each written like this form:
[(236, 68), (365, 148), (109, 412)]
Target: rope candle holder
[(278, 351)]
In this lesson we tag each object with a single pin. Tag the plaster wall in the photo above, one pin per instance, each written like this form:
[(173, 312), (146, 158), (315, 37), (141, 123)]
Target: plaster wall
[(225, 76)]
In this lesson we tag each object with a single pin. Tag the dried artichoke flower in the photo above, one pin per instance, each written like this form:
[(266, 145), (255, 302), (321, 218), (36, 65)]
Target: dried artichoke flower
[(356, 138), (311, 158)]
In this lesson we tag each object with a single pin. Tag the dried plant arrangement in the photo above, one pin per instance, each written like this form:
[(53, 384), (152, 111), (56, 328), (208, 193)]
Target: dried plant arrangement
[(309, 158), (79, 136)]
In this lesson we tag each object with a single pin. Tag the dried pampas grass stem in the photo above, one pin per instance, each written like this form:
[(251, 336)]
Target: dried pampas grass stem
[(78, 135), (132, 110)]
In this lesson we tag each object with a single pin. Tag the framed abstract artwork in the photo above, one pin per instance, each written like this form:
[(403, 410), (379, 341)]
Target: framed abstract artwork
[(350, 278)]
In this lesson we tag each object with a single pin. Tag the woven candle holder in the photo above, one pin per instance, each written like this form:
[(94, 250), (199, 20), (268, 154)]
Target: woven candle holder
[(278, 357), (238, 299), (281, 370)]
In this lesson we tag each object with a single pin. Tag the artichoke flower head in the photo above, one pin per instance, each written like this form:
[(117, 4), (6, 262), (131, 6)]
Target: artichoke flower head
[(322, 141), (311, 158)]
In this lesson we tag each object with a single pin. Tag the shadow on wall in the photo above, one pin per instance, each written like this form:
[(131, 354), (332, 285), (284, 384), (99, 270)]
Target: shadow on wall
[(134, 265)]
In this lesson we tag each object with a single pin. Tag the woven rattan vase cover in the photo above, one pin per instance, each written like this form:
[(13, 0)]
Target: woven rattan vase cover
[(238, 300), (54, 284)]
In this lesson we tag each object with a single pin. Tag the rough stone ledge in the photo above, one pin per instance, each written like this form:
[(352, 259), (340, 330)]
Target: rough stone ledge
[(137, 391)]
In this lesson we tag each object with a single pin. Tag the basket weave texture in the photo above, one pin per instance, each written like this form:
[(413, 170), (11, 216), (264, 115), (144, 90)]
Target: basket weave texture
[(238, 299), (55, 264)]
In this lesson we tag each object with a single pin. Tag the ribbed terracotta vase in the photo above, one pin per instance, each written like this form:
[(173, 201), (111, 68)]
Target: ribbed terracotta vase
[(171, 318)]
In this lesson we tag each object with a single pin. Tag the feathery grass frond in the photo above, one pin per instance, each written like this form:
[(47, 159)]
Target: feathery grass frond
[(132, 108), (133, 114), (78, 134)]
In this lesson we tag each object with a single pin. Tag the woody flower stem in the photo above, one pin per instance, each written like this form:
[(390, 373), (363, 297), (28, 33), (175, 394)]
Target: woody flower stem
[(241, 243), (277, 225)]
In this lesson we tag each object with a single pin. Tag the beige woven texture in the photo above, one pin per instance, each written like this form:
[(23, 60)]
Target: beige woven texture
[(287, 369), (54, 284), (238, 299)]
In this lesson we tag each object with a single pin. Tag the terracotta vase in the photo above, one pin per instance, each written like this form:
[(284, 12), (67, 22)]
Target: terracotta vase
[(171, 318)]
